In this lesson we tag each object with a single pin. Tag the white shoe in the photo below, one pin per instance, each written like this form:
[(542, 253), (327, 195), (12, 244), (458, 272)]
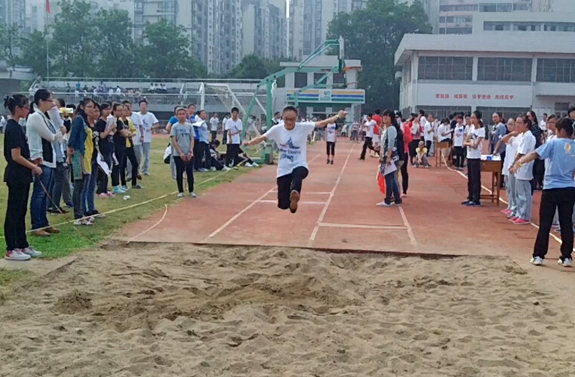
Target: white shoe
[(567, 262), (248, 165), (383, 204), (537, 261), (85, 222), (212, 169), (17, 256), (255, 165), (30, 251), (192, 194), (203, 170), (225, 168), (181, 195)]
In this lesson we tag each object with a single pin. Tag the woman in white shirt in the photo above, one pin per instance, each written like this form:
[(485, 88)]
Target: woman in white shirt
[(330, 142), (458, 139), (524, 172), (511, 142), (474, 144), (43, 137)]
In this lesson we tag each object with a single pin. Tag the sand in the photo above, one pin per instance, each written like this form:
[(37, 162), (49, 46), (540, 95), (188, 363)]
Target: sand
[(181, 310)]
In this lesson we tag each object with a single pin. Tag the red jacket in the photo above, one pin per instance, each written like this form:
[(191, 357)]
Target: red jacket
[(407, 136)]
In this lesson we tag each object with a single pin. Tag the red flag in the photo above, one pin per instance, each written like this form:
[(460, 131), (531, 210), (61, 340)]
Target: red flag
[(48, 6), (380, 181)]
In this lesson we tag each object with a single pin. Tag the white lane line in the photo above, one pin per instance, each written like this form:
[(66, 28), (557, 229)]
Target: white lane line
[(359, 226), (408, 227), (152, 227), (331, 195), (247, 208), (267, 201)]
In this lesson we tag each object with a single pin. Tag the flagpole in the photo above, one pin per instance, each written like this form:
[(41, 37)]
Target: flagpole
[(47, 42)]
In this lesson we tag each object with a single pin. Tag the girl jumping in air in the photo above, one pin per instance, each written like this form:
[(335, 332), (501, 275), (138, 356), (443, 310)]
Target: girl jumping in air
[(291, 137)]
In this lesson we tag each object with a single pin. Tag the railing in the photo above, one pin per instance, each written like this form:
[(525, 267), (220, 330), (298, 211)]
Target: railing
[(152, 80)]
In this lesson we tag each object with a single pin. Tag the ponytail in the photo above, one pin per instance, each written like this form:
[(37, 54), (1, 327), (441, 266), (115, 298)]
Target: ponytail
[(13, 101)]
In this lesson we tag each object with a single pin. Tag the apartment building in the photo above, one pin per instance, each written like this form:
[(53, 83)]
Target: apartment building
[(13, 12), (309, 22), (457, 16), (264, 30)]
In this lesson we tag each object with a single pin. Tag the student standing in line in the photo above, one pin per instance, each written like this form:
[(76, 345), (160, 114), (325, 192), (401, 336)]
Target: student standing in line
[(499, 131), (474, 144), (138, 139), (558, 192), (330, 141), (233, 128), (512, 143), (43, 138), (458, 139), (524, 174), (149, 123), (407, 140), (291, 137), (368, 143), (106, 147), (173, 120), (119, 137), (80, 149), (18, 177), (204, 149), (214, 122), (130, 154), (61, 180), (182, 135), (390, 154), (225, 133), (89, 194)]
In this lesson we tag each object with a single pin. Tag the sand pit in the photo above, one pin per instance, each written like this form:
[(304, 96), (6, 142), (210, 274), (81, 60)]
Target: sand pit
[(183, 310)]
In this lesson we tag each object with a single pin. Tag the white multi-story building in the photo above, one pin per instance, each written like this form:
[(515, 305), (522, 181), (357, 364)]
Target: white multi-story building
[(264, 29), (458, 16), (13, 12), (309, 22), (510, 72)]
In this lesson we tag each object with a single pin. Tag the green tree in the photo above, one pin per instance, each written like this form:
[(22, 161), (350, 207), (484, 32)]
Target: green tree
[(117, 54), (373, 35), (166, 52), (253, 67), (74, 40), (33, 52), (9, 42)]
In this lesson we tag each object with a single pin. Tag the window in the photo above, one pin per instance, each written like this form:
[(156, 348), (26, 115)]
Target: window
[(445, 68), (300, 79), (561, 109), (441, 112), (338, 78), (458, 8), (458, 30), (504, 69), (556, 70), (488, 8)]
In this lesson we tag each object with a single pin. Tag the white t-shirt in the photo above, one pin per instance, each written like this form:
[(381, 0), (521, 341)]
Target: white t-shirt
[(137, 123), (526, 146), (511, 152), (474, 134), (543, 125), (370, 125), (148, 120), (214, 122), (292, 145), (458, 135), (427, 135), (234, 126), (331, 136), (442, 129)]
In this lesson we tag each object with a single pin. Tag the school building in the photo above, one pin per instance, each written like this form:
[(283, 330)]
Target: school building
[(510, 72)]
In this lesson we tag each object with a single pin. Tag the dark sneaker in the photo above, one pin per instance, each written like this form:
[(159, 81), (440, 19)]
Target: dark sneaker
[(294, 199)]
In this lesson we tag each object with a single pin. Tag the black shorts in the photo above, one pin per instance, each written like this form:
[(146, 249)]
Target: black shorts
[(289, 182)]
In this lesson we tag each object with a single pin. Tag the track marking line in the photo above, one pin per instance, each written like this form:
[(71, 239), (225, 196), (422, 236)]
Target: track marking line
[(360, 226), (331, 195), (408, 227), (267, 201), (150, 228), (247, 208)]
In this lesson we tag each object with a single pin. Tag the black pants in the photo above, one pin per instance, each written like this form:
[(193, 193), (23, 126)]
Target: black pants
[(232, 153), (368, 143), (181, 167), (214, 135), (198, 155), (288, 183), (428, 146), (412, 147), (404, 174), (15, 221), (131, 155), (474, 179), (116, 170), (330, 148), (538, 174), (79, 186), (207, 156), (562, 200), (501, 184), (103, 177), (458, 153)]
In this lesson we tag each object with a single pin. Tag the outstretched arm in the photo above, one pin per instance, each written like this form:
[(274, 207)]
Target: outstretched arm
[(321, 124), (256, 140)]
